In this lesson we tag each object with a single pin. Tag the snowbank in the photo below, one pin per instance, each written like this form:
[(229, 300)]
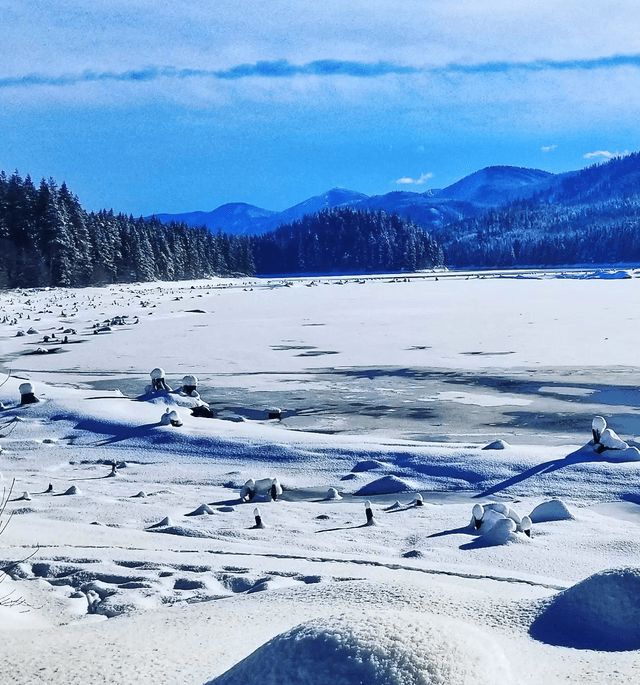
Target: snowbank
[(601, 612), (376, 650)]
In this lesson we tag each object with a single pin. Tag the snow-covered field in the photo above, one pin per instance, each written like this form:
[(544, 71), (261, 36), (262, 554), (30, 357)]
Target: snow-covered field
[(389, 389)]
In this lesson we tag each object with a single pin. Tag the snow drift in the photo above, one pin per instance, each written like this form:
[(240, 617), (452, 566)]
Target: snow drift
[(600, 613), (376, 650)]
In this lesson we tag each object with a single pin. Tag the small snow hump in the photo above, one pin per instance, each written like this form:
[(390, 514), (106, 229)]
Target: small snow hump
[(166, 521), (553, 510), (201, 510), (73, 490), (600, 613), (497, 445), (380, 649), (386, 485), (332, 494)]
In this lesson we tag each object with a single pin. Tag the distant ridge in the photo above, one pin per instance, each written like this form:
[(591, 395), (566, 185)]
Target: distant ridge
[(489, 187)]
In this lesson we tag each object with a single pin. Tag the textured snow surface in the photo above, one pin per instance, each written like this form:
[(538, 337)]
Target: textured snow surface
[(375, 650), (156, 574)]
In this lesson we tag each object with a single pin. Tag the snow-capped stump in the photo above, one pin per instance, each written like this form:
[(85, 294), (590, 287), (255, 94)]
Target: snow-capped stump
[(609, 440), (419, 501), (485, 516), (171, 418), (524, 526), (248, 490), (140, 495), (20, 333), (597, 426), (369, 514), (274, 413), (258, 518), (380, 649), (333, 494), (73, 490), (190, 385), (25, 497), (32, 331), (600, 613), (387, 485), (157, 379), (501, 532), (261, 490), (27, 394), (201, 510), (497, 445), (553, 510), (202, 411)]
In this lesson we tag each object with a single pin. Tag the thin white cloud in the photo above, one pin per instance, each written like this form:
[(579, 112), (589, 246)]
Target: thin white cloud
[(406, 180), (604, 154), (548, 148)]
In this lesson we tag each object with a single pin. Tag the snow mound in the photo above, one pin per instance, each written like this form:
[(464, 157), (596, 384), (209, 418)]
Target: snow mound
[(332, 494), (553, 510), (166, 521), (376, 650), (600, 613), (201, 510), (501, 532), (497, 445), (385, 486)]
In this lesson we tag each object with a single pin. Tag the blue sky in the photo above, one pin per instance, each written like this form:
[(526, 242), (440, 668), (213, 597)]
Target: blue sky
[(171, 107)]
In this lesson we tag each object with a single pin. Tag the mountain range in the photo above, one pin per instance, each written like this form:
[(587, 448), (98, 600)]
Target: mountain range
[(472, 195)]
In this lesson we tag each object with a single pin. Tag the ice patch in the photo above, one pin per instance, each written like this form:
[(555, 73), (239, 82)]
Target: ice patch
[(478, 399)]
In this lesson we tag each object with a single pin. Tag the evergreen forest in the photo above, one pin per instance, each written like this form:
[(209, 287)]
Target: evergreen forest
[(48, 239)]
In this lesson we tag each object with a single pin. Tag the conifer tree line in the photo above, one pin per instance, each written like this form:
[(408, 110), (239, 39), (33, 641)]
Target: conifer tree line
[(589, 217), (343, 240), (48, 239)]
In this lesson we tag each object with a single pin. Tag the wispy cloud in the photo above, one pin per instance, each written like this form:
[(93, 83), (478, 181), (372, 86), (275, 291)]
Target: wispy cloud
[(548, 148), (326, 68), (275, 69), (406, 180), (604, 154)]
